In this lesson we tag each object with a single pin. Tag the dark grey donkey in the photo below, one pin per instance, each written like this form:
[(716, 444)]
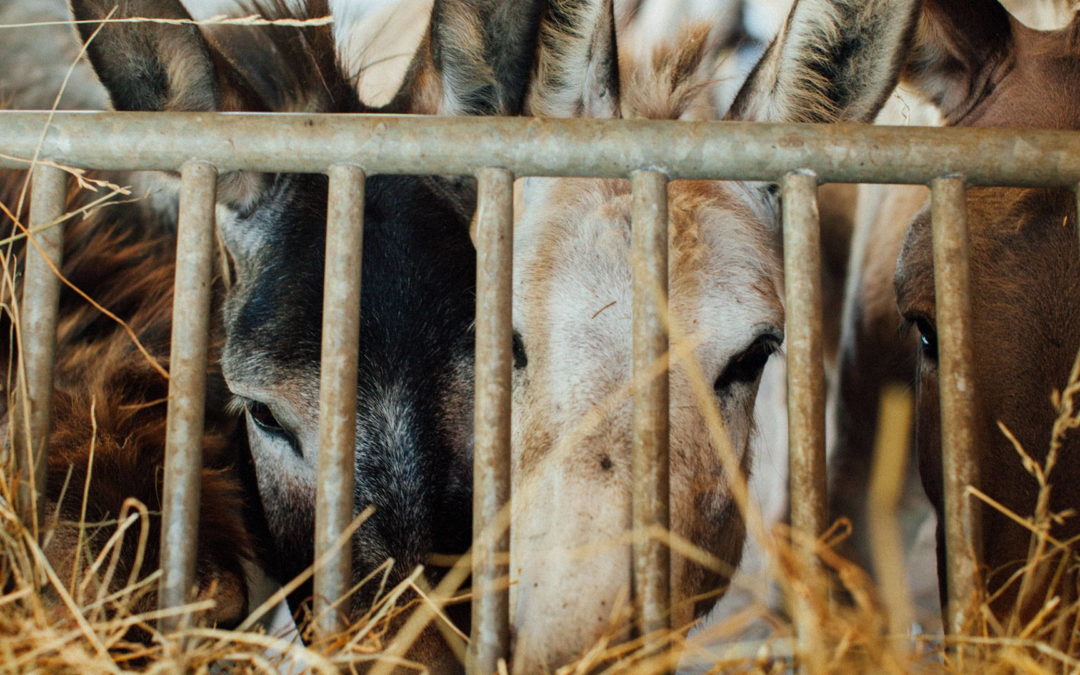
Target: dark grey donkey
[(413, 454)]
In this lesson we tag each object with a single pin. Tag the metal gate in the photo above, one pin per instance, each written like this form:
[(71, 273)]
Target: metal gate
[(497, 150)]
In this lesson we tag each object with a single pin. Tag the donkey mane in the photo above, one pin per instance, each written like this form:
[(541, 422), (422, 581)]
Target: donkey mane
[(675, 79)]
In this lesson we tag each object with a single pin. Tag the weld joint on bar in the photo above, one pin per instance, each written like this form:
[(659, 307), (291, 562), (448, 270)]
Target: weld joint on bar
[(804, 172), (953, 175), (666, 173), (195, 163), (345, 165)]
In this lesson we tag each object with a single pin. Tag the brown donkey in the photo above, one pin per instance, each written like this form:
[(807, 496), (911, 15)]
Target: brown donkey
[(983, 68), (108, 429)]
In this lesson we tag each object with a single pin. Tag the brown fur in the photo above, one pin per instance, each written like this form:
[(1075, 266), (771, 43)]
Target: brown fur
[(109, 415), (984, 69)]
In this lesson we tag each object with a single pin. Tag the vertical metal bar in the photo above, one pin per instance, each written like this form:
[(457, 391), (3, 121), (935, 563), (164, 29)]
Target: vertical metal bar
[(805, 365), (491, 448), (958, 405), (651, 491), (805, 384), (187, 386), (337, 391), (38, 318)]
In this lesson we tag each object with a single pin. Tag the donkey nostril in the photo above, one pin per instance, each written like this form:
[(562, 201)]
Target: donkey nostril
[(606, 463)]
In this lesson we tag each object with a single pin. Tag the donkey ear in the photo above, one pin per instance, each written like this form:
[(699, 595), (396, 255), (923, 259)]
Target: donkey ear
[(577, 66), (957, 45), (834, 60), (146, 65), (474, 60)]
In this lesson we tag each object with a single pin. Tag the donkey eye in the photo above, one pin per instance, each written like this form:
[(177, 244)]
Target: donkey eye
[(747, 366), (264, 418), (927, 337), (520, 359)]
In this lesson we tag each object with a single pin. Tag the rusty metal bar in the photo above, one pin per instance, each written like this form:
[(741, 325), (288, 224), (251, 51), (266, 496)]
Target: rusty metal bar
[(545, 147), (337, 393), (37, 320), (805, 390), (187, 387), (651, 490), (805, 364), (491, 447), (958, 404)]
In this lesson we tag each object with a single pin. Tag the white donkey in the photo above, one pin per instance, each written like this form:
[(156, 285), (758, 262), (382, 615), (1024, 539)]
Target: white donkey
[(836, 60)]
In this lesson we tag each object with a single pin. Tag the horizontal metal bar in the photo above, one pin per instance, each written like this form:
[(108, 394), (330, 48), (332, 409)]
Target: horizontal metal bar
[(958, 403), (491, 448), (651, 510), (38, 321), (187, 388), (544, 147), (337, 392)]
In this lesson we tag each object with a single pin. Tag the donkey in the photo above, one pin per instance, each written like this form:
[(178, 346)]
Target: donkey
[(983, 68), (108, 429), (413, 447), (835, 60)]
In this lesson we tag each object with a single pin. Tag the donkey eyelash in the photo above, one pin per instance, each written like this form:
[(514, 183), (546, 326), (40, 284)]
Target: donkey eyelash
[(747, 365), (927, 338), (259, 413)]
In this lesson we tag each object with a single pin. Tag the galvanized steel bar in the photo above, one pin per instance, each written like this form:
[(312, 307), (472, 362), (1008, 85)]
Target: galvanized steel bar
[(651, 506), (805, 394), (187, 387), (805, 364), (337, 393), (37, 325), (545, 147), (491, 446), (958, 403)]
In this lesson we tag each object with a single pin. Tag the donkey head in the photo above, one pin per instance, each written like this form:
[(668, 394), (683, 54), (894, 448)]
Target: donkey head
[(836, 60), (984, 68), (412, 462)]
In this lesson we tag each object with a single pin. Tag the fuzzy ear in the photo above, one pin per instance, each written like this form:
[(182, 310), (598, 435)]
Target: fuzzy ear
[(577, 64), (282, 68), (958, 45), (149, 66), (474, 60), (834, 60)]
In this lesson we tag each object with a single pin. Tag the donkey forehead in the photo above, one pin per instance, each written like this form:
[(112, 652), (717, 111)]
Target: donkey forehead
[(1046, 68), (1020, 245), (574, 278)]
